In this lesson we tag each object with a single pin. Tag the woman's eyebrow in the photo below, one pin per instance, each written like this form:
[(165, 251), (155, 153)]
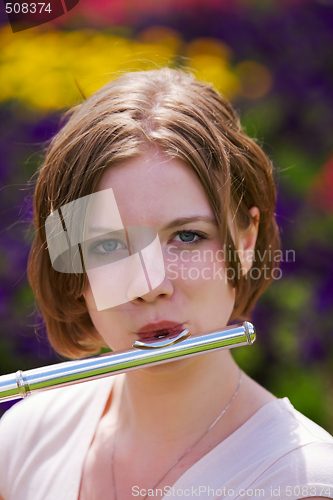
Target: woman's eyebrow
[(105, 230), (181, 221)]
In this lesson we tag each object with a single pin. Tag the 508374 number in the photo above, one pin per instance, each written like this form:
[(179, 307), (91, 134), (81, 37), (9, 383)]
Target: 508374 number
[(26, 8), (309, 491)]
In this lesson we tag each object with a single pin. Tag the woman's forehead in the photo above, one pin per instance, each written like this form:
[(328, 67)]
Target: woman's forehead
[(153, 189)]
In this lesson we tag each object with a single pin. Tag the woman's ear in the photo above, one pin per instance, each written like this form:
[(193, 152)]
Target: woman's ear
[(247, 241)]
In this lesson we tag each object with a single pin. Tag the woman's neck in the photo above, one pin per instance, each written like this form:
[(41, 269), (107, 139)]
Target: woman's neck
[(168, 401)]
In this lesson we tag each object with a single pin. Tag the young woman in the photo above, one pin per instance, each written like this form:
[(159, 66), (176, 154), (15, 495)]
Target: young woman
[(156, 151)]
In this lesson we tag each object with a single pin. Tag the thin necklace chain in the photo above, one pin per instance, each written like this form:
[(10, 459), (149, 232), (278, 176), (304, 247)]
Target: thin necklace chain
[(184, 454)]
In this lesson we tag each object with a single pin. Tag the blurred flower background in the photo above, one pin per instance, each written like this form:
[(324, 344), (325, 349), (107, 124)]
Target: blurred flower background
[(274, 60)]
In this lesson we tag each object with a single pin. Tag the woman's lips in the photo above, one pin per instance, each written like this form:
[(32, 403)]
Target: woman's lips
[(161, 329)]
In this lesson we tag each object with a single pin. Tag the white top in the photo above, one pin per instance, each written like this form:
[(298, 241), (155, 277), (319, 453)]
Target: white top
[(44, 441)]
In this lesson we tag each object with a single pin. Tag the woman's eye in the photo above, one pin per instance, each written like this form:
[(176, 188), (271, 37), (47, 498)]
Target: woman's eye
[(108, 246), (188, 237)]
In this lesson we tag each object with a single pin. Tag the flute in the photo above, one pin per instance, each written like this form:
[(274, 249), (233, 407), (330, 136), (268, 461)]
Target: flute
[(22, 384)]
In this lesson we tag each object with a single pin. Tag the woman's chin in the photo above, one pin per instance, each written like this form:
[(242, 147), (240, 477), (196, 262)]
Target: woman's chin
[(167, 368)]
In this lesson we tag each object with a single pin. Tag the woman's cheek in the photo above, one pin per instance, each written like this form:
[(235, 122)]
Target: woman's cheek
[(197, 267)]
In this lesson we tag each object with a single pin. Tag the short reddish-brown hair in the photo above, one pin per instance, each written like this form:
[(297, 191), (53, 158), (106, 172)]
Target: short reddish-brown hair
[(184, 118)]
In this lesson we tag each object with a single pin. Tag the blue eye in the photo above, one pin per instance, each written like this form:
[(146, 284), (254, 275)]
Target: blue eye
[(107, 247), (187, 236), (110, 245), (190, 237)]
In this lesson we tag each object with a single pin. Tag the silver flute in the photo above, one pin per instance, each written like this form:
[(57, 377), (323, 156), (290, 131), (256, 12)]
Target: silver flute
[(22, 384)]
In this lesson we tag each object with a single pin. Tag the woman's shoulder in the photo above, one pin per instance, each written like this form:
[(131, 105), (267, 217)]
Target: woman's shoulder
[(293, 450), (288, 421), (31, 430), (46, 407), (275, 421), (301, 465), (275, 453), (282, 429)]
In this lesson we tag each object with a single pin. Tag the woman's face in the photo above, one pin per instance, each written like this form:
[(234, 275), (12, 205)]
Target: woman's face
[(165, 194)]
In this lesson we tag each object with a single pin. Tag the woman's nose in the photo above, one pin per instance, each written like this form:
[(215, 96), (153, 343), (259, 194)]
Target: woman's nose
[(164, 289), (154, 276)]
